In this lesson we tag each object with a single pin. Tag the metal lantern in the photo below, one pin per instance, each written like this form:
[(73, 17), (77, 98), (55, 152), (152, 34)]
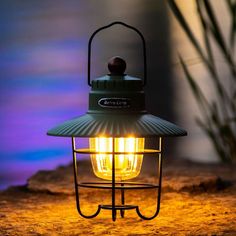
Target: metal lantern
[(117, 124)]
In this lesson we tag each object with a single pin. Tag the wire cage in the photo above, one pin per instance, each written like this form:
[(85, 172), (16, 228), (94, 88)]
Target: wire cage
[(114, 185)]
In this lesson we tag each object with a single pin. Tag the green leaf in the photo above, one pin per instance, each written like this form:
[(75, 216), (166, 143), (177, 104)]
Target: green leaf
[(194, 86), (205, 30), (218, 37), (179, 16), (215, 114), (218, 116), (215, 27), (214, 140), (232, 10)]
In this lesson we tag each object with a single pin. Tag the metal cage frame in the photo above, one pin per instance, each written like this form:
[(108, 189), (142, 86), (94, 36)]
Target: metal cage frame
[(114, 185)]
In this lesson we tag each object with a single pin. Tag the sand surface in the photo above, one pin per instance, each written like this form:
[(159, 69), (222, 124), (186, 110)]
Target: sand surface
[(196, 200)]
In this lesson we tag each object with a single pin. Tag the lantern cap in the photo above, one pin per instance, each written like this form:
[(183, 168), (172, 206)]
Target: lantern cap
[(116, 92)]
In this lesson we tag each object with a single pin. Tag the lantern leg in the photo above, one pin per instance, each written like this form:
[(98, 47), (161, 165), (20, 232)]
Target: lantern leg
[(158, 193), (113, 197), (77, 187), (122, 193)]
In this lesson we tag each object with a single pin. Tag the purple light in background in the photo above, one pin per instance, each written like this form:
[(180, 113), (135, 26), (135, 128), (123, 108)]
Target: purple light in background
[(42, 85)]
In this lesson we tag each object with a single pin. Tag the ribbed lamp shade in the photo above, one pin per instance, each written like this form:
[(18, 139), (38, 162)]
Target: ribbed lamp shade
[(139, 125)]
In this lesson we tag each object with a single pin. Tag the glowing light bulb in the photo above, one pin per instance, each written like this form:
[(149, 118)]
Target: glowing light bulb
[(127, 164)]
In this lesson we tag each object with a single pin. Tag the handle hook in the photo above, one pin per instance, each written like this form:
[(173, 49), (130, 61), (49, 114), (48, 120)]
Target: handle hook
[(130, 27)]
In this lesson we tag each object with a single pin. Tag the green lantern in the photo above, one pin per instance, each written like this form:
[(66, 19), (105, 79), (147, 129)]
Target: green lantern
[(117, 125)]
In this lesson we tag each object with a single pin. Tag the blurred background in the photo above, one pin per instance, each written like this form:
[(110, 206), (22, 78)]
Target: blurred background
[(43, 80)]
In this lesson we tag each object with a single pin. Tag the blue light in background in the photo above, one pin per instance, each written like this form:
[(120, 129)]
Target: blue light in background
[(40, 86), (43, 60)]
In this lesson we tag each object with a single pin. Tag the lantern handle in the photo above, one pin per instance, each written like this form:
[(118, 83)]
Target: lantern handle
[(130, 27)]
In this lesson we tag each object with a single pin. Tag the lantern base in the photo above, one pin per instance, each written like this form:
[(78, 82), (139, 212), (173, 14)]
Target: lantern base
[(119, 185)]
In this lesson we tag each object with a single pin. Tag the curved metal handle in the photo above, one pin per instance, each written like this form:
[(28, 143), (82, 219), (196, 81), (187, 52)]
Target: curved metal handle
[(130, 27)]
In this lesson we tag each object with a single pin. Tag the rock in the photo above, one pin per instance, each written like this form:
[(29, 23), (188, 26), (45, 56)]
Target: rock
[(57, 181), (178, 176)]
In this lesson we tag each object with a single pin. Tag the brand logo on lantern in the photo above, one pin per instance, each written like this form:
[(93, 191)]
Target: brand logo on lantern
[(114, 102)]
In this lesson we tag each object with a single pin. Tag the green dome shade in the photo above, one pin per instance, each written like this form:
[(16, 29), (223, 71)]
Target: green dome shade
[(123, 125), (117, 109)]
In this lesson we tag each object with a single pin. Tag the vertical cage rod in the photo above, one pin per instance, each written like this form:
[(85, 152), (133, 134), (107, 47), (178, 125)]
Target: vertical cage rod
[(159, 188), (113, 182), (122, 212), (77, 187)]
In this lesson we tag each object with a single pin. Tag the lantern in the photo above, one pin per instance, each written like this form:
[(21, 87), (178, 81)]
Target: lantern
[(117, 125)]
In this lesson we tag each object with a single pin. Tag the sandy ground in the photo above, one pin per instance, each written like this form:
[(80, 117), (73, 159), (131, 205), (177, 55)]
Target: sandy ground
[(206, 206)]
